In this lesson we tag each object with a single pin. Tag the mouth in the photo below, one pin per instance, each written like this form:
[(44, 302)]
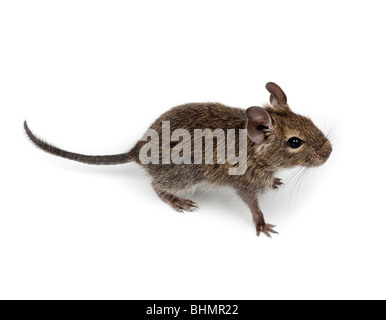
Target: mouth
[(323, 154), (320, 161)]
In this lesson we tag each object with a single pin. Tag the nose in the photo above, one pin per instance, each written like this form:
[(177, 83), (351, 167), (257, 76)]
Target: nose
[(325, 151)]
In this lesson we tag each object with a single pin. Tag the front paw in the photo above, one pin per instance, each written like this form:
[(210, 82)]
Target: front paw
[(276, 183), (266, 228)]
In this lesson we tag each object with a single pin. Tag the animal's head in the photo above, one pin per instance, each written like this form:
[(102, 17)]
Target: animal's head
[(288, 139)]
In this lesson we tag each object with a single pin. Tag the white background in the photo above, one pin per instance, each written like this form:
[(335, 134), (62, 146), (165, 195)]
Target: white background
[(91, 76)]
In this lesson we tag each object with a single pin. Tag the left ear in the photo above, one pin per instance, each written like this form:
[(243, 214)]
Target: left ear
[(278, 98), (259, 124)]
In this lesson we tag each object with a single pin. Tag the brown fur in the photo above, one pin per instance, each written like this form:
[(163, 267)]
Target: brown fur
[(262, 164), (274, 125)]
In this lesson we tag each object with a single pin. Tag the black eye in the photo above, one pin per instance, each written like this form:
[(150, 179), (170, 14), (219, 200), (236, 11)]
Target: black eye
[(294, 142)]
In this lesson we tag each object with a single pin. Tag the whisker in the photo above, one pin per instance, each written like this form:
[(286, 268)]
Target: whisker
[(299, 174), (307, 172), (292, 175), (298, 180), (332, 129), (326, 125)]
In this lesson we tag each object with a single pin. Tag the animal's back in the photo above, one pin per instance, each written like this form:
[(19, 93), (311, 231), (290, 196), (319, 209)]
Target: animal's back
[(203, 116), (197, 116)]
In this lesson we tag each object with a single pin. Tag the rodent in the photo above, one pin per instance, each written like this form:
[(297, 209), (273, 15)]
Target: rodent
[(277, 139)]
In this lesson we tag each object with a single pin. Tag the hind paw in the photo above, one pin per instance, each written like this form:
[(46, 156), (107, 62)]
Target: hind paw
[(177, 203), (181, 204)]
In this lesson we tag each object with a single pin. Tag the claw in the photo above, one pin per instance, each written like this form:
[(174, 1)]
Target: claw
[(266, 229), (177, 203), (181, 204), (276, 183), (267, 234)]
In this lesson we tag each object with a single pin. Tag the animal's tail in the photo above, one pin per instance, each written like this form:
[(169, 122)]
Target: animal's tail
[(98, 160)]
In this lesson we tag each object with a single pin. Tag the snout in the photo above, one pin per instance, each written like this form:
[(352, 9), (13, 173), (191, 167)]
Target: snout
[(324, 153)]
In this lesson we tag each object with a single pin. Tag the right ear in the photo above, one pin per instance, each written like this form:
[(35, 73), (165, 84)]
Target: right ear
[(278, 98), (259, 124)]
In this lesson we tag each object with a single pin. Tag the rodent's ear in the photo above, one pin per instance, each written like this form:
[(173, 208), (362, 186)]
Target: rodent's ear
[(259, 124), (278, 98)]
